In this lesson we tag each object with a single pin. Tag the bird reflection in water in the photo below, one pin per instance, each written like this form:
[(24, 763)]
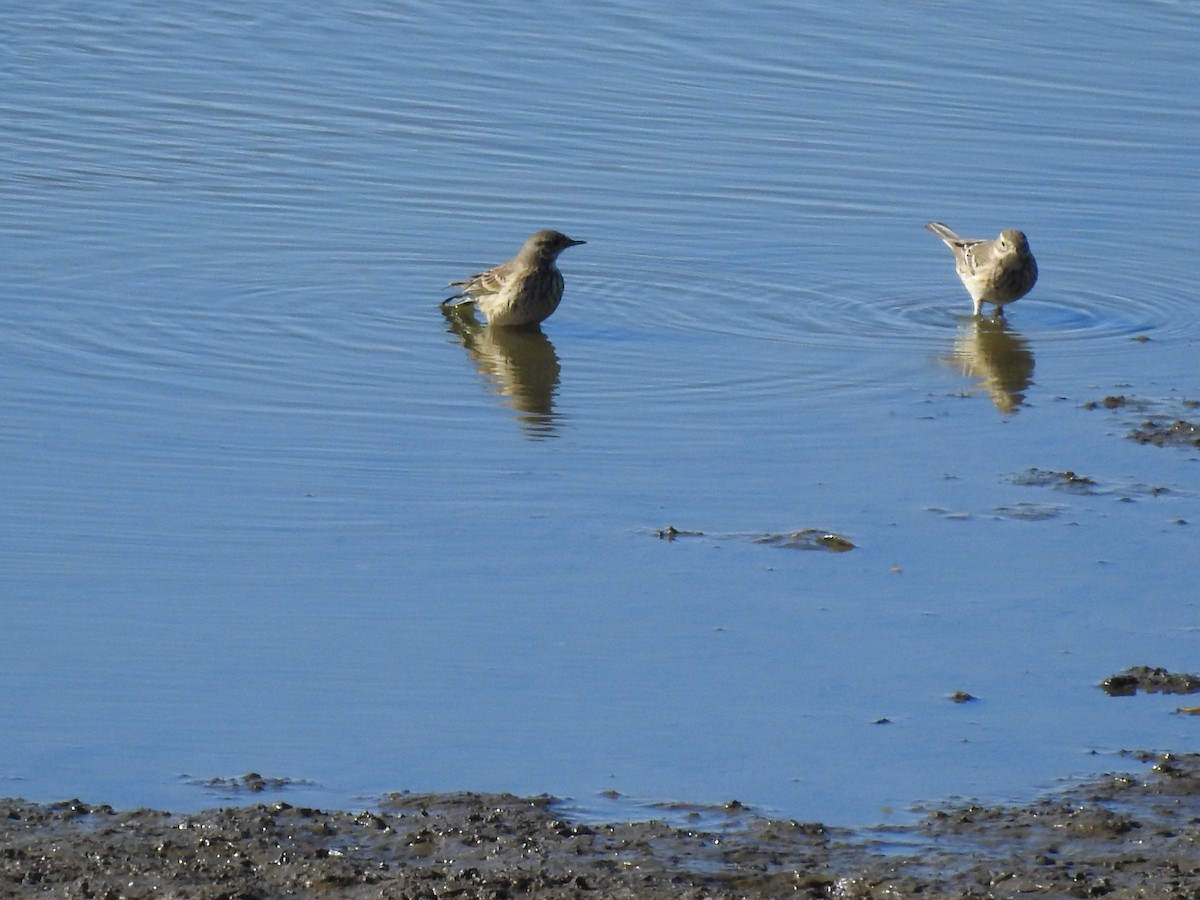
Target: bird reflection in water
[(988, 349), (520, 364)]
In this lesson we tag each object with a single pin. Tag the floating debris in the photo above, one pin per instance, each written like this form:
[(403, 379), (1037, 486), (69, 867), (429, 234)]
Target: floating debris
[(962, 697)]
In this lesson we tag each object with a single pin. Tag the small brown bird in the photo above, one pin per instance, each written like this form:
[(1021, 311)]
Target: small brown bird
[(998, 271), (523, 291)]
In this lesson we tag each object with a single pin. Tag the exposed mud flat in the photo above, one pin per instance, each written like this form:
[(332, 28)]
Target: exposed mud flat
[(1121, 836)]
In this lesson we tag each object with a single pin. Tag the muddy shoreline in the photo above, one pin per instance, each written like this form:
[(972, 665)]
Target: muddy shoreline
[(1133, 834)]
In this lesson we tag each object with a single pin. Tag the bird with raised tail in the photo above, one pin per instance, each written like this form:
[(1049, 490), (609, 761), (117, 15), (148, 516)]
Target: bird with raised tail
[(994, 271), (523, 291)]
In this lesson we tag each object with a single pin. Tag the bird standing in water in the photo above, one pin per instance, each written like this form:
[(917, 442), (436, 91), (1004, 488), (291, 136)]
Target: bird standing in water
[(994, 271), (523, 291)]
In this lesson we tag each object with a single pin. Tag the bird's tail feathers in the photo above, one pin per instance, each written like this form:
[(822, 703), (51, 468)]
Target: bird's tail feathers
[(945, 232)]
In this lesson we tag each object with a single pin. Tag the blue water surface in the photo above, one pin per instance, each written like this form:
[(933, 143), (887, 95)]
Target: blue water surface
[(265, 508)]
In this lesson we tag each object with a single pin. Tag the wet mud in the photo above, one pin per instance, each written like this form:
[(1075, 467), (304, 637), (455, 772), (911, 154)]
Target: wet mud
[(1121, 836)]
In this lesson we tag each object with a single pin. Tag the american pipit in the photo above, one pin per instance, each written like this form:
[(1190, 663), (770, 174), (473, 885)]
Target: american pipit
[(523, 291), (998, 271)]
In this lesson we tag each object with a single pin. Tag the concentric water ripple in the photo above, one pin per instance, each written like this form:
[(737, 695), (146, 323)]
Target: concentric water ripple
[(729, 341), (857, 315), (721, 340)]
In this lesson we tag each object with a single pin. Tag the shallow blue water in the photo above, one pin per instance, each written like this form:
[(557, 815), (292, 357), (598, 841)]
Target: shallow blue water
[(264, 509)]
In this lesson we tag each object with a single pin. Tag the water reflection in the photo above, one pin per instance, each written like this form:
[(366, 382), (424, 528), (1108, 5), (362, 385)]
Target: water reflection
[(990, 350), (520, 364)]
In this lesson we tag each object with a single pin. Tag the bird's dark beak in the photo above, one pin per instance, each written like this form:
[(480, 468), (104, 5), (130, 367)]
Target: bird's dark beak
[(575, 243)]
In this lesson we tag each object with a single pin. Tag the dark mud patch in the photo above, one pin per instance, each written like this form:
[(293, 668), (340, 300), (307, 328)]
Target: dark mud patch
[(1151, 680), (1021, 512), (1164, 434), (805, 539), (1162, 422), (671, 533), (1120, 836), (250, 783), (808, 539), (1030, 512), (1084, 484), (1064, 480)]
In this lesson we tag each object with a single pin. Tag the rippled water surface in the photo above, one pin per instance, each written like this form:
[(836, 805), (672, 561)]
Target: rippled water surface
[(265, 507)]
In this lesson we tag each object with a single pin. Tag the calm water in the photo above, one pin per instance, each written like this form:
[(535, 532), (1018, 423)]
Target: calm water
[(264, 508)]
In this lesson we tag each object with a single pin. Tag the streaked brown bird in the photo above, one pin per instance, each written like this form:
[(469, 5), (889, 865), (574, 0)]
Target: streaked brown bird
[(994, 271), (523, 291)]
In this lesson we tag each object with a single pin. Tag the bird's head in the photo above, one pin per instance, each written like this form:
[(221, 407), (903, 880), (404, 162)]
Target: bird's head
[(1013, 241), (548, 244)]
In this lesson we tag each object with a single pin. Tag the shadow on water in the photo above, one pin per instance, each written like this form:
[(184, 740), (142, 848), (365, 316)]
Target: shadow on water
[(989, 350), (520, 364)]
